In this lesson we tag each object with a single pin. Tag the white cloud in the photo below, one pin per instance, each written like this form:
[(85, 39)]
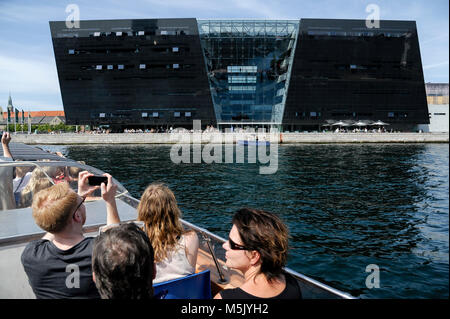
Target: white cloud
[(435, 65), (28, 75)]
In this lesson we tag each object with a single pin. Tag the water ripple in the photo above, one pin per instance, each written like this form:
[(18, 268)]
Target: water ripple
[(347, 206)]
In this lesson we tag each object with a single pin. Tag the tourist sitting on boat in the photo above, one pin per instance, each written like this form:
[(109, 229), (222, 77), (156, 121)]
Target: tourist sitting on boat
[(175, 249), (39, 180), (123, 263), (257, 246), (59, 264), (20, 181), (6, 174)]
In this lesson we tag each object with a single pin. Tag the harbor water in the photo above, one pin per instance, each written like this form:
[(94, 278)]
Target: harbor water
[(347, 206)]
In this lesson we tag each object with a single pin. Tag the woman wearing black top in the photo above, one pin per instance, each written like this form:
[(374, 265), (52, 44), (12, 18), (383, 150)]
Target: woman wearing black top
[(257, 246)]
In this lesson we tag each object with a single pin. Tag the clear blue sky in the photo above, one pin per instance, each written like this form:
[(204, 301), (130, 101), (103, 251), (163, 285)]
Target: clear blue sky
[(27, 63)]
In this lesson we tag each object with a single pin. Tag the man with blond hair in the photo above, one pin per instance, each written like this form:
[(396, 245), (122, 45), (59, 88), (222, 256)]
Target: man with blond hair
[(59, 264)]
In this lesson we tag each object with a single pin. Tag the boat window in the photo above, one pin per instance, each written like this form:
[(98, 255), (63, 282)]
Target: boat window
[(21, 180)]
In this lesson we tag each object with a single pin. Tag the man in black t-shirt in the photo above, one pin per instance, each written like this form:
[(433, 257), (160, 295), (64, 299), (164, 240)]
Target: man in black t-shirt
[(59, 264)]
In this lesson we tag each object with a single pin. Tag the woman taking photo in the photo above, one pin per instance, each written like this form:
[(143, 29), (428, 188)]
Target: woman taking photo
[(257, 246), (175, 249)]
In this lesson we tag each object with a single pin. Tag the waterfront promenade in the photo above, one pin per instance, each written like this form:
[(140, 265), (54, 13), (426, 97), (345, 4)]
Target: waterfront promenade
[(213, 137)]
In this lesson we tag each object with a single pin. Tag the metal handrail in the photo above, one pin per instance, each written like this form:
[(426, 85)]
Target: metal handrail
[(207, 235)]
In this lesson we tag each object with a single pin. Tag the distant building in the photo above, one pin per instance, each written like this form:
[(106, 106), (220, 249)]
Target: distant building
[(37, 118), (438, 107), (290, 74)]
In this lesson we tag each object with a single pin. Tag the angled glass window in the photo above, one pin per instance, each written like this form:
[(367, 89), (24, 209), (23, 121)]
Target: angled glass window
[(248, 67), (176, 114)]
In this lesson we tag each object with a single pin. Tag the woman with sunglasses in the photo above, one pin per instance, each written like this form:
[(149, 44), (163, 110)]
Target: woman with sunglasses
[(257, 246)]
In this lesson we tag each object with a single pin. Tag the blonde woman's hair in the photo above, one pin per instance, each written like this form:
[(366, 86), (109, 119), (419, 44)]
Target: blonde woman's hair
[(38, 181), (159, 210), (52, 207)]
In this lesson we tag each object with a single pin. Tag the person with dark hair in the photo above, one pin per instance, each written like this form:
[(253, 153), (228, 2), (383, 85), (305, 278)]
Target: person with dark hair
[(123, 263), (258, 246)]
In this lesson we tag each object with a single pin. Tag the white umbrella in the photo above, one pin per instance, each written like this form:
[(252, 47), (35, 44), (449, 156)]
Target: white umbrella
[(360, 123), (379, 123), (340, 123)]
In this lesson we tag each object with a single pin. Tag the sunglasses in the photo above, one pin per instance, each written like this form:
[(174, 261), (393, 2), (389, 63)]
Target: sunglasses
[(79, 205), (235, 246)]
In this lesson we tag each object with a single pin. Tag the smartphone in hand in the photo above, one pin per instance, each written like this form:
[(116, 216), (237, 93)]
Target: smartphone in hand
[(97, 180)]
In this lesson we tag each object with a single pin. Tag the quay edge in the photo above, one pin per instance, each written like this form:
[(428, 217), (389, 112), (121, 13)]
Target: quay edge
[(204, 138)]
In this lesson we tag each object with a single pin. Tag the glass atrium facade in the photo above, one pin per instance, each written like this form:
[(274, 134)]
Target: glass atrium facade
[(248, 65)]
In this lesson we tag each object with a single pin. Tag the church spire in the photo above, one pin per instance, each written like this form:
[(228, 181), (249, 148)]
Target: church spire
[(10, 105)]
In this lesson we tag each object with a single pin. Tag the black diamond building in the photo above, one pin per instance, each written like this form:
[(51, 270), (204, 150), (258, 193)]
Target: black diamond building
[(291, 74)]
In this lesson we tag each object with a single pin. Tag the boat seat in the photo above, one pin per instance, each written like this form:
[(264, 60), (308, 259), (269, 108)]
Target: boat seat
[(195, 286)]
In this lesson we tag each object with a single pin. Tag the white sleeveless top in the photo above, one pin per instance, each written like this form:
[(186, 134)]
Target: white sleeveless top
[(175, 265)]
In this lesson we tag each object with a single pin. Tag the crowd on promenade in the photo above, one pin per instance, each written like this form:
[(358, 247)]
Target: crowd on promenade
[(212, 129), (126, 259)]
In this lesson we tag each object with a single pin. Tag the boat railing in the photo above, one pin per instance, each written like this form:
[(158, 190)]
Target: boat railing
[(219, 241), (210, 241)]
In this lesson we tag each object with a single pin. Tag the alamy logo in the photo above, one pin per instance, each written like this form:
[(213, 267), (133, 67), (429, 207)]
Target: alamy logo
[(373, 19), (73, 279), (73, 19), (373, 280), (222, 147)]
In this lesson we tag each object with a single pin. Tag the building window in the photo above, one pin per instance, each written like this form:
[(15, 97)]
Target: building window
[(187, 114), (176, 66), (110, 67), (102, 115), (144, 114), (120, 67), (177, 114), (96, 34), (98, 67), (71, 51), (163, 32), (175, 49), (155, 114), (242, 79), (119, 33), (141, 66), (391, 114), (141, 33)]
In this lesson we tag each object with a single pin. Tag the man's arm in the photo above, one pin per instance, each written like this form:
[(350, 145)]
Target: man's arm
[(6, 138), (109, 196)]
